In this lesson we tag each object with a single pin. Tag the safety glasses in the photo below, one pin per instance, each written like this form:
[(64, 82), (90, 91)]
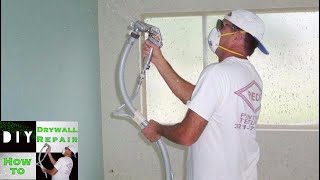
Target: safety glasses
[(220, 24)]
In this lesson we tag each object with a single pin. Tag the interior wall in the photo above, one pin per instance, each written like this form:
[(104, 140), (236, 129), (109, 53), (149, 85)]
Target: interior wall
[(127, 155), (50, 70)]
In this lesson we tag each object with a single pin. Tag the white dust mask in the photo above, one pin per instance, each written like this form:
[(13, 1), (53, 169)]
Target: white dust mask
[(214, 39)]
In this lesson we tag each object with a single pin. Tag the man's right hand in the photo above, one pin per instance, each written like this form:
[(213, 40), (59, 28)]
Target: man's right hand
[(157, 56), (48, 150)]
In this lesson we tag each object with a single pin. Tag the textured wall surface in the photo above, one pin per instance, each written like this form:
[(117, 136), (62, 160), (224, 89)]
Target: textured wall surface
[(126, 153)]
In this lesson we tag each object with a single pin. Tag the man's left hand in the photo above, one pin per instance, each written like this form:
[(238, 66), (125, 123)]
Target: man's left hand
[(151, 131), (44, 170)]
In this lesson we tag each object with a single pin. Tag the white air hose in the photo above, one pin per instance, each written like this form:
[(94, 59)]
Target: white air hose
[(39, 163), (137, 115)]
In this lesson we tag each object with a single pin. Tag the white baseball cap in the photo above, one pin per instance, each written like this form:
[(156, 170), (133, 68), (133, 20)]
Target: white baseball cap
[(250, 23), (73, 149)]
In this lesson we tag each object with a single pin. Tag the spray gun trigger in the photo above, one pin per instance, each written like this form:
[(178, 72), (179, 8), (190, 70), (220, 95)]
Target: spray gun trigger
[(148, 60)]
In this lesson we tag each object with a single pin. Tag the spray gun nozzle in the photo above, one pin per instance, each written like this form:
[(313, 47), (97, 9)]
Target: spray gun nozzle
[(141, 26), (46, 144)]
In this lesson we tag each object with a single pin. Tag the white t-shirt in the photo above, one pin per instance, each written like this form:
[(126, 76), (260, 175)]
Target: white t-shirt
[(64, 166), (228, 96)]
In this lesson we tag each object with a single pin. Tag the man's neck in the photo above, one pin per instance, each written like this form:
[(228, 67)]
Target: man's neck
[(223, 54), (227, 55)]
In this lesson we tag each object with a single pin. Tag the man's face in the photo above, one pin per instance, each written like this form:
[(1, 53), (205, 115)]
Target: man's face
[(67, 152), (226, 27), (228, 33)]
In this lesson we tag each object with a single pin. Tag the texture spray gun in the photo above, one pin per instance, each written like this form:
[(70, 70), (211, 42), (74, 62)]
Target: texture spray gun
[(154, 36), (39, 163)]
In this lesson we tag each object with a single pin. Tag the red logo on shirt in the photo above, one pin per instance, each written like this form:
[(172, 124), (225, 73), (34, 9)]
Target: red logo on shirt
[(251, 94)]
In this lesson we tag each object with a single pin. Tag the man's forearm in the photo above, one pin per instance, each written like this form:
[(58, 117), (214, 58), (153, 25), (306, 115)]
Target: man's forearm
[(186, 132), (50, 172), (172, 132), (180, 87)]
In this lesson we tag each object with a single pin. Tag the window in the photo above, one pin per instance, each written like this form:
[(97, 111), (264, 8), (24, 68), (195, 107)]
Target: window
[(290, 73)]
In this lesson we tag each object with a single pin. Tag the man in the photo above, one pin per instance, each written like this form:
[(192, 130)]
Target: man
[(224, 106), (62, 167)]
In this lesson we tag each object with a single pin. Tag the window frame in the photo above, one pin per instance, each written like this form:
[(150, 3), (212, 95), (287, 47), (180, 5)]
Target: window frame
[(204, 16)]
